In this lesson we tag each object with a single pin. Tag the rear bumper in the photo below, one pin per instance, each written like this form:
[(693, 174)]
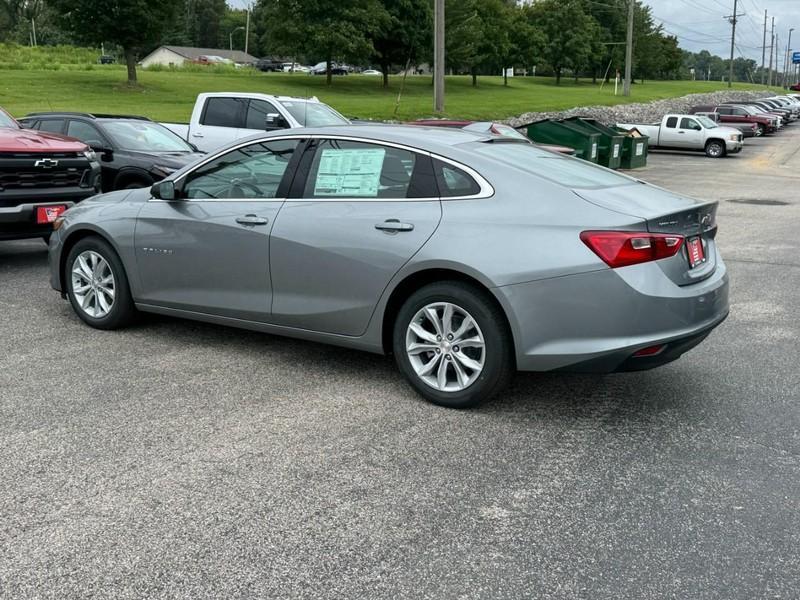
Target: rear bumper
[(596, 321)]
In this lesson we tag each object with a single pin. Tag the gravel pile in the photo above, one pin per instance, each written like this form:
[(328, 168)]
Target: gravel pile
[(639, 113)]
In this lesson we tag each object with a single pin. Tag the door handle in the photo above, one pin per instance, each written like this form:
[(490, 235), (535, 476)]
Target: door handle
[(393, 226), (197, 135), (681, 132), (251, 220)]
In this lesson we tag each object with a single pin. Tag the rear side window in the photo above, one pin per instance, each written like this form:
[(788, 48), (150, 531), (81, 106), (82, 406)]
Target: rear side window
[(51, 125), (672, 122), (345, 169), (724, 110), (224, 112), (454, 182)]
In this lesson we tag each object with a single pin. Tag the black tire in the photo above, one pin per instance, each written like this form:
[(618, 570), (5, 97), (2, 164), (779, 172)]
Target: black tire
[(499, 362), (122, 310), (761, 131), (135, 185), (715, 149)]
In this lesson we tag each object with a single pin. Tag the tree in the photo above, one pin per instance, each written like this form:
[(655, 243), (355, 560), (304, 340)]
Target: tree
[(134, 25), (570, 32), (405, 33), (324, 28)]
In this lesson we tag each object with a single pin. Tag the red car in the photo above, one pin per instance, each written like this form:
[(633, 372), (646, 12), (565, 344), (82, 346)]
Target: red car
[(795, 87), (489, 127), (41, 175)]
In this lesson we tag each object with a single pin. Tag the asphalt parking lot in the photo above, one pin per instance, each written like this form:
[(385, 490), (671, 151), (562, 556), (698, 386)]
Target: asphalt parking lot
[(178, 459)]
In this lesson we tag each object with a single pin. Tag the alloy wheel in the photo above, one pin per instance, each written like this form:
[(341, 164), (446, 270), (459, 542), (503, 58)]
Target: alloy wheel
[(445, 347), (93, 284)]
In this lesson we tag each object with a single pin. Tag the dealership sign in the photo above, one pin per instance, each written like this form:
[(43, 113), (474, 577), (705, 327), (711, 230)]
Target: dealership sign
[(796, 58)]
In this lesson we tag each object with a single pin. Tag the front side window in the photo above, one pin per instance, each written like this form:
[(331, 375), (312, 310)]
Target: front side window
[(257, 112), (84, 132), (690, 124), (251, 172), (224, 112), (345, 169)]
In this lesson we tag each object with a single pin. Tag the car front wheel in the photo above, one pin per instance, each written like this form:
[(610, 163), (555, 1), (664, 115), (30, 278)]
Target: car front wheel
[(451, 342), (97, 286), (715, 149)]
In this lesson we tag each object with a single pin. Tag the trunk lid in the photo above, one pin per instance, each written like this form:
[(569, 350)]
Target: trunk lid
[(666, 212)]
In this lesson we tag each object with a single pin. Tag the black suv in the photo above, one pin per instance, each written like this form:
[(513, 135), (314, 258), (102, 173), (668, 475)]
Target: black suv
[(269, 66), (134, 152)]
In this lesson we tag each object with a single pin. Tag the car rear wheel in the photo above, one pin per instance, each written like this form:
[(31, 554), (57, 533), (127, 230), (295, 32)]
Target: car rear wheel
[(97, 286), (451, 342), (715, 149)]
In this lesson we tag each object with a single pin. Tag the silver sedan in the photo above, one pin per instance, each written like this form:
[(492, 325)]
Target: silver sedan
[(467, 256)]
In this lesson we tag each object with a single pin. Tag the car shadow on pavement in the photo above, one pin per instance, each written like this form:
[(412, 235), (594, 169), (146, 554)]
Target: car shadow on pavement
[(30, 253)]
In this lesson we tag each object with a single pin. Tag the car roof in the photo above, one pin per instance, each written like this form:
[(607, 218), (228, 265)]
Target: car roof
[(432, 139)]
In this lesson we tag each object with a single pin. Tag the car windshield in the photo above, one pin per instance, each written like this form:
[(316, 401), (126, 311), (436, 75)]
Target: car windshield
[(707, 123), (6, 121), (314, 114), (571, 172), (144, 136)]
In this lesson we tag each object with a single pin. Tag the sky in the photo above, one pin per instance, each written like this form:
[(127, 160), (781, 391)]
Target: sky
[(700, 24)]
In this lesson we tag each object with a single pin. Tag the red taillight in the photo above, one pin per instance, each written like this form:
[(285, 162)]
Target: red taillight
[(649, 351), (624, 248)]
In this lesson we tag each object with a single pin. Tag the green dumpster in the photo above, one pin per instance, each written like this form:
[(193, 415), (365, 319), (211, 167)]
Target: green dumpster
[(634, 148), (584, 142), (610, 148)]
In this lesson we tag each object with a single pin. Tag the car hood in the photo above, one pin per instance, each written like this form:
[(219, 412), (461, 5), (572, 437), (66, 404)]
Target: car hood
[(27, 140)]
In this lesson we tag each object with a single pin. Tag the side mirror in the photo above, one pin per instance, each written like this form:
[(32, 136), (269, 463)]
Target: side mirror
[(276, 121), (164, 190), (100, 148)]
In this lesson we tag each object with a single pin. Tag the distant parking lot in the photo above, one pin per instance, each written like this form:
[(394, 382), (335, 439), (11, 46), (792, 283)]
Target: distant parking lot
[(183, 459)]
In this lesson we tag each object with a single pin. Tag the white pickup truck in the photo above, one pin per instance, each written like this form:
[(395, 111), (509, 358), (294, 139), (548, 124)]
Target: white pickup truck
[(221, 118), (690, 132)]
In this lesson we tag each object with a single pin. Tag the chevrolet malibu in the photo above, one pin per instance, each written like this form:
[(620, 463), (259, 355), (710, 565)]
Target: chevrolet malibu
[(467, 256)]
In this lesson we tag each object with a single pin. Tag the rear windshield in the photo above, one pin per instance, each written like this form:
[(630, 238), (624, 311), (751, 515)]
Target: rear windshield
[(6, 121), (571, 172), (313, 114)]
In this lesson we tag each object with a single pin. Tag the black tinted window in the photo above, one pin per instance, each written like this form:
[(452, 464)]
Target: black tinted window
[(257, 113), (255, 171), (84, 132), (672, 122), (51, 125), (453, 181), (724, 110), (224, 112)]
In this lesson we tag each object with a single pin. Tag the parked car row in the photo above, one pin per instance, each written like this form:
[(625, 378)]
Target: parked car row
[(719, 130)]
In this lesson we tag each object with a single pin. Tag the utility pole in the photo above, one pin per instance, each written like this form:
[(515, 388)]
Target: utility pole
[(733, 19), (626, 88), (247, 30), (764, 50), (438, 56), (786, 62), (771, 46)]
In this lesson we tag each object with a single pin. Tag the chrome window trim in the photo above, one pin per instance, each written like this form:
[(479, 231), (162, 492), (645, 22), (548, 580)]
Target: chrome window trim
[(485, 188)]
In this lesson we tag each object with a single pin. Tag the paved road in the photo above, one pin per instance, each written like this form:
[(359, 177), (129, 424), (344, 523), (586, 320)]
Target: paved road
[(178, 459)]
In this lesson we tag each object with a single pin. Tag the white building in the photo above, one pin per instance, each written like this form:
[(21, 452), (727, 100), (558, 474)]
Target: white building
[(177, 55)]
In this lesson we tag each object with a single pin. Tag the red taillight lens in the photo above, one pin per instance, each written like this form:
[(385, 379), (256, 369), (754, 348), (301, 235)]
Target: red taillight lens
[(625, 248)]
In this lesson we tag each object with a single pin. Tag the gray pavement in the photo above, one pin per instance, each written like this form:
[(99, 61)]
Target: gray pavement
[(177, 459)]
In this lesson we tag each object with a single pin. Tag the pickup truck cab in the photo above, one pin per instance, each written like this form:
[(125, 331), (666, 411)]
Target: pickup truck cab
[(221, 118), (734, 113), (690, 132), (41, 175)]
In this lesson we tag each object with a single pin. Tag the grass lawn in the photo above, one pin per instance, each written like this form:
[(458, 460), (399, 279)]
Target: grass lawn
[(169, 95)]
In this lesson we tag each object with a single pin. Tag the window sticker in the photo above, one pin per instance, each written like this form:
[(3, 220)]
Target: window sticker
[(349, 173)]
